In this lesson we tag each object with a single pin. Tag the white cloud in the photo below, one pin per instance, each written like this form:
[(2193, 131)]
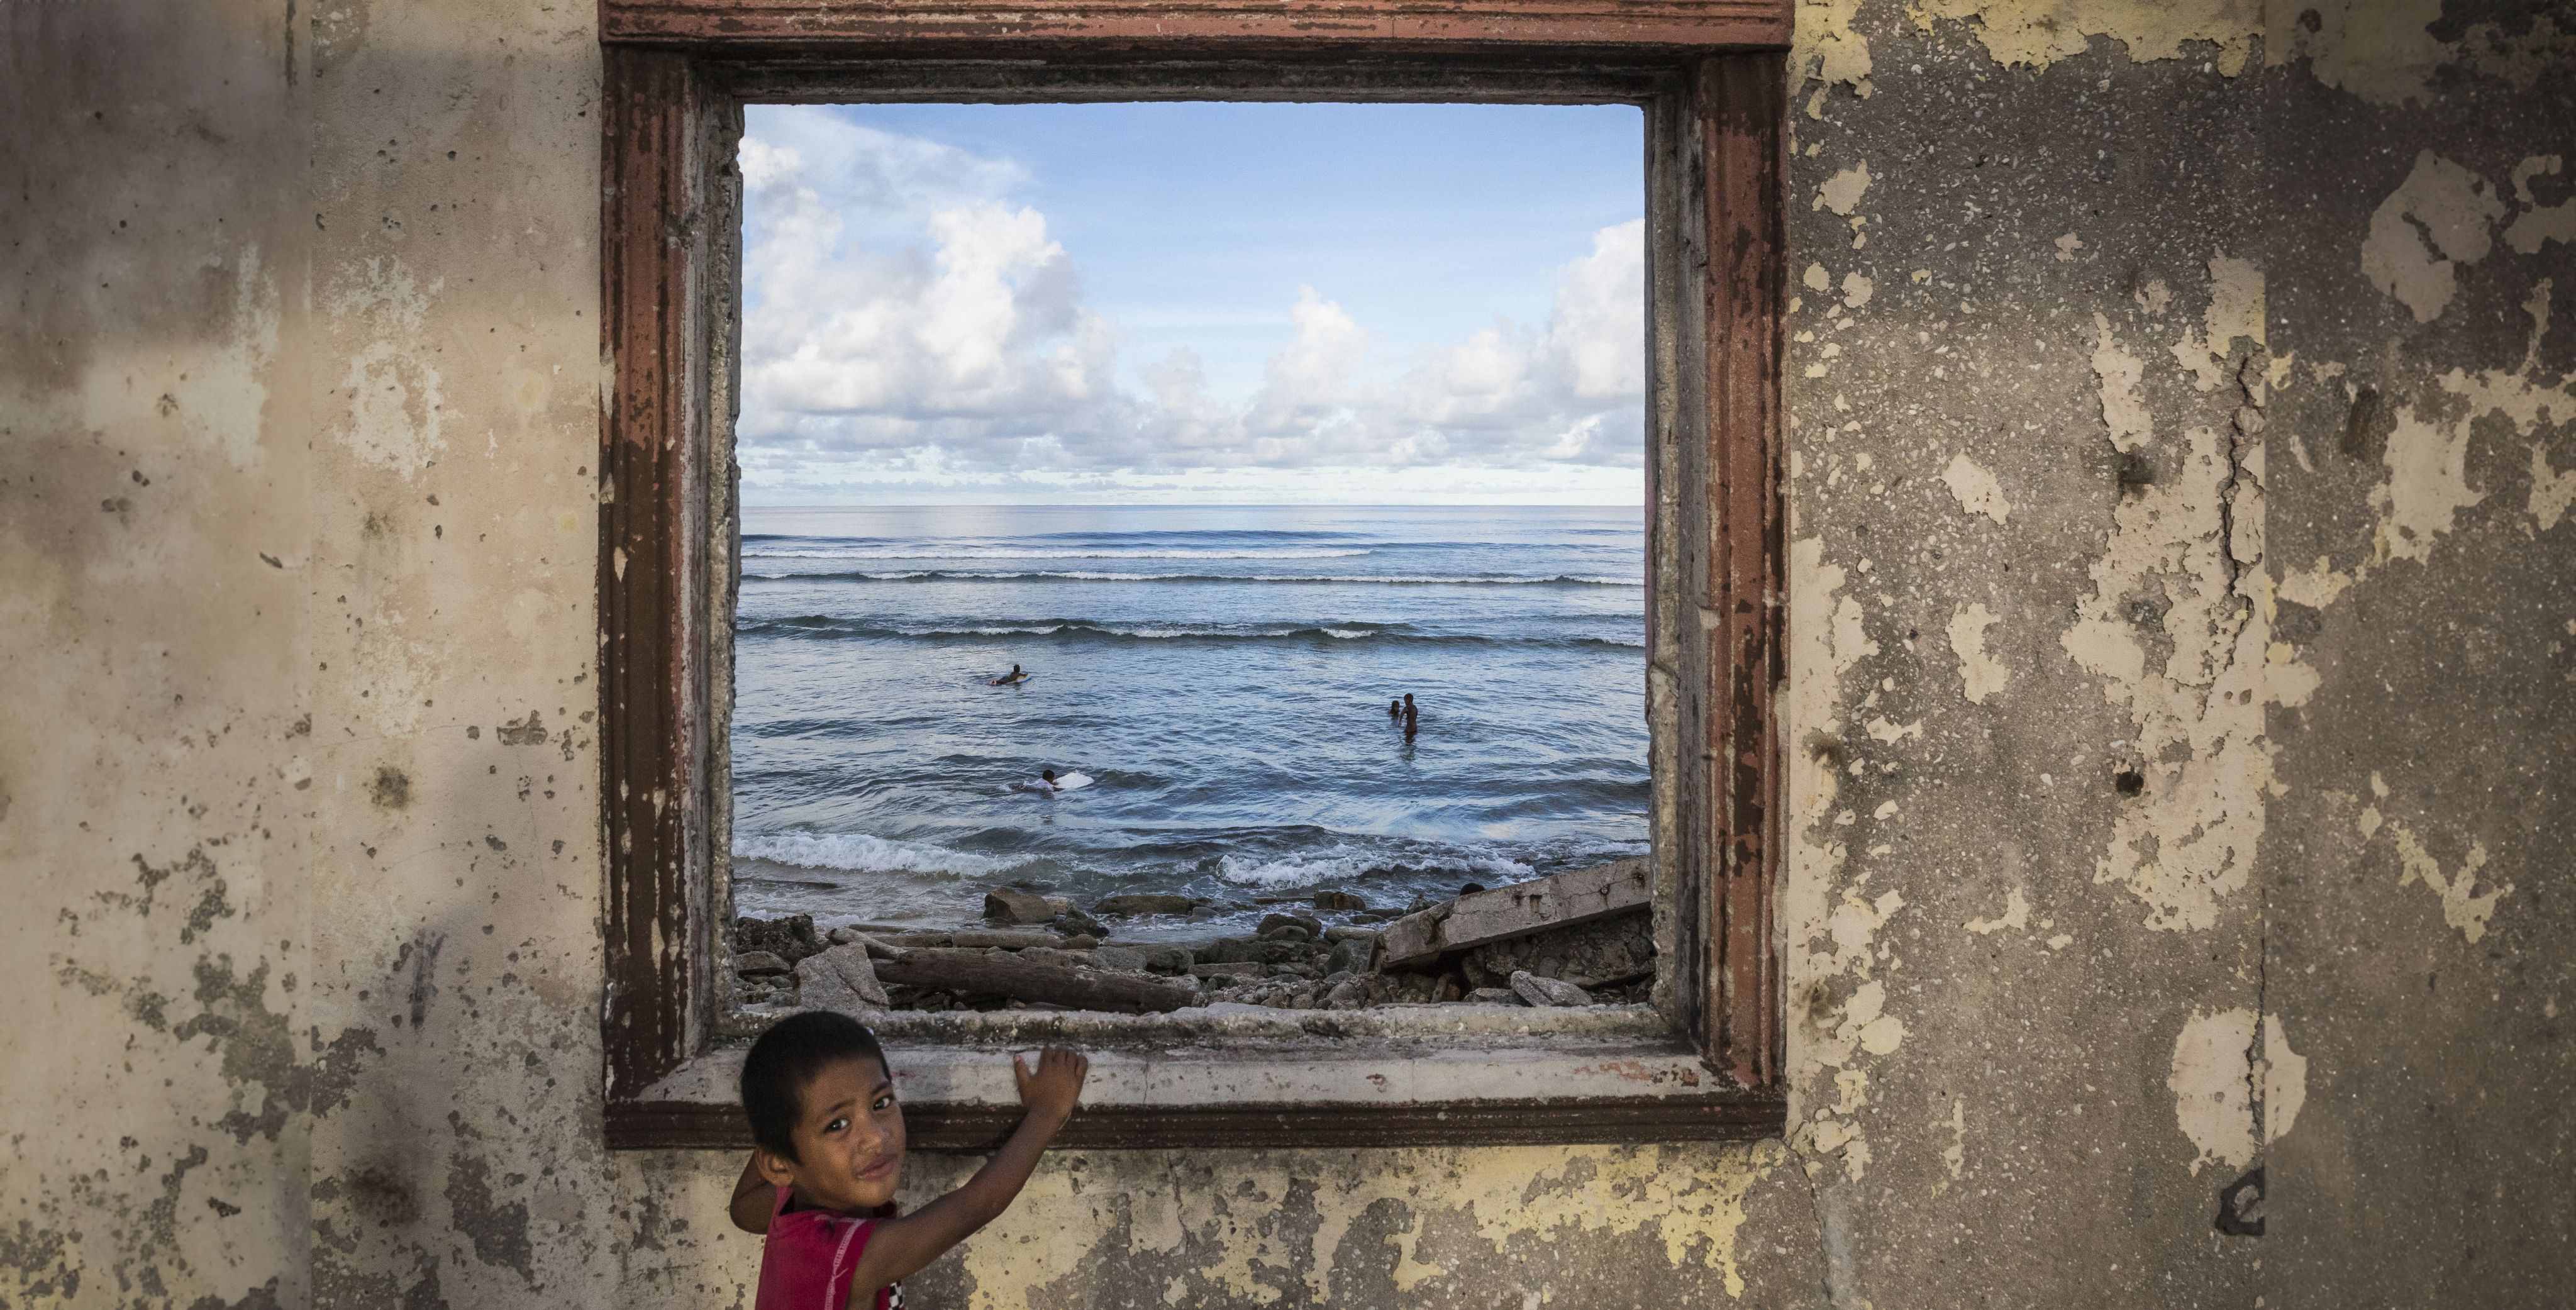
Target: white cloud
[(910, 329)]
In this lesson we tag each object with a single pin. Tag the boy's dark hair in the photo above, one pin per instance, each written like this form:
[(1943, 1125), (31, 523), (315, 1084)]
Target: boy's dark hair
[(786, 1060)]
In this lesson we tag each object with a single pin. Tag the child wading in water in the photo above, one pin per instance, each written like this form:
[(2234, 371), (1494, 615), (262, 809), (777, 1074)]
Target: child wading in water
[(821, 1181)]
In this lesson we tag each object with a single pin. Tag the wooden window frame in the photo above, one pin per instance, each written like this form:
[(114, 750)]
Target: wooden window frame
[(1710, 76)]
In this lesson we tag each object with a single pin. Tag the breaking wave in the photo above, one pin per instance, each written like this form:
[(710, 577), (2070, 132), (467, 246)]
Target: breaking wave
[(857, 852), (1081, 575), (826, 628)]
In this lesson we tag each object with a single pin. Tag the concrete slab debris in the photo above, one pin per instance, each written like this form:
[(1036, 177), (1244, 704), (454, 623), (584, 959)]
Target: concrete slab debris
[(1556, 901)]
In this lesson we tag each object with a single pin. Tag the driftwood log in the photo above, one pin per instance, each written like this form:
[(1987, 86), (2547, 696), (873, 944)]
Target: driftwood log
[(974, 973)]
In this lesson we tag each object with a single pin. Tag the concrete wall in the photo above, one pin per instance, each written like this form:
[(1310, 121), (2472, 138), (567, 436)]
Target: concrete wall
[(2178, 394)]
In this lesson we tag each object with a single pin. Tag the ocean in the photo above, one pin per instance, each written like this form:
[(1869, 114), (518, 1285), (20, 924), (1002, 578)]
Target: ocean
[(1221, 673)]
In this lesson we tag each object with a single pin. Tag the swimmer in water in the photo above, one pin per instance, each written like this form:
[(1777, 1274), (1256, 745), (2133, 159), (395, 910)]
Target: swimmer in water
[(1412, 715), (1010, 679), (1395, 709)]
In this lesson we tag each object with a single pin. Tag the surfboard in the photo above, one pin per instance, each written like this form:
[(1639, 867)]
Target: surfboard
[(1009, 682)]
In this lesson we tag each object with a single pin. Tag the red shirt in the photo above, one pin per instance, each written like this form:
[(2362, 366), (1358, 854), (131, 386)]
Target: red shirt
[(808, 1257)]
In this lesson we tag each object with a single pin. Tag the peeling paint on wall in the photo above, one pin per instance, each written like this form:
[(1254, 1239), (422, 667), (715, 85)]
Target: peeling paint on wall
[(2183, 563), (2436, 220), (2016, 916), (2284, 1081), (2124, 412), (2038, 33), (1976, 489), (2384, 52), (2463, 906), (1841, 193), (1980, 675), (1827, 49), (2213, 1097), (1305, 1225), (347, 894)]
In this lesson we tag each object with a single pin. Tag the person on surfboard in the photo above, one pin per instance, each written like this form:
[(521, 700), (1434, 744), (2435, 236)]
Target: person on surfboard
[(1010, 679)]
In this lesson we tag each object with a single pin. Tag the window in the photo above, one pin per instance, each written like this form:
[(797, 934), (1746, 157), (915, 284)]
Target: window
[(677, 75)]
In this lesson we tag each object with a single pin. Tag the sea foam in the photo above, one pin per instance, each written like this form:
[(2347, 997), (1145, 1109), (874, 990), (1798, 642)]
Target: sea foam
[(857, 852)]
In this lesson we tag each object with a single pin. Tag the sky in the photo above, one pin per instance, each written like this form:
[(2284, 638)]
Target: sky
[(1192, 303)]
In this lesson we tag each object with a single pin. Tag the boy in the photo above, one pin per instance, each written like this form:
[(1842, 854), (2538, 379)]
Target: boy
[(820, 1185)]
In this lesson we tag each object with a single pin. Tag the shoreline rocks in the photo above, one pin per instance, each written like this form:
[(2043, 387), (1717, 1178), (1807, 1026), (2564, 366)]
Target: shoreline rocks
[(1584, 937)]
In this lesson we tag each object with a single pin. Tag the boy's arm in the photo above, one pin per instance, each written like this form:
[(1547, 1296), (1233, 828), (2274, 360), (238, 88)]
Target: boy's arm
[(753, 1199), (901, 1247)]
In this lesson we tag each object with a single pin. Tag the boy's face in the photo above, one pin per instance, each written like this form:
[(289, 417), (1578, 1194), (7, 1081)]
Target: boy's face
[(849, 1140)]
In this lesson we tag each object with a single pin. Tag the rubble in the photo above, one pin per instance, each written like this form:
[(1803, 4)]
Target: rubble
[(1011, 905), (758, 964), (1547, 991), (1618, 949), (972, 973), (1559, 900), (1579, 938), (790, 939), (840, 979)]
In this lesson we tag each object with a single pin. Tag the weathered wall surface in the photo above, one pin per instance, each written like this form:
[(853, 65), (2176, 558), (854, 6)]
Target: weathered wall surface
[(2181, 705)]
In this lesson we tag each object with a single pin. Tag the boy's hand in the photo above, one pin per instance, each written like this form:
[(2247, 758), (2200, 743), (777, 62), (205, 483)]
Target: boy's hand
[(1050, 1093)]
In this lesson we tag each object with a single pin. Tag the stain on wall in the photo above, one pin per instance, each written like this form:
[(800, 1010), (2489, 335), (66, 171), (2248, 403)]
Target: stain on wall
[(2179, 712)]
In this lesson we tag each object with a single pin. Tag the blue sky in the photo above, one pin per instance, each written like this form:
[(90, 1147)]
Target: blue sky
[(1193, 302)]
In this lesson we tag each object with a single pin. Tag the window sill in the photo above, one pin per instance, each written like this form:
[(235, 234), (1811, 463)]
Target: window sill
[(1246, 1076)]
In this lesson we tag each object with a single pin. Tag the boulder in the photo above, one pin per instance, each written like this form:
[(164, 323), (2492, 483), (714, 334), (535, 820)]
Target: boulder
[(839, 979), (1291, 931), (1143, 903), (759, 964), (1314, 927), (1166, 959), (1125, 959), (1075, 923), (1231, 950), (1011, 905), (1353, 955), (790, 939), (1547, 991), (1495, 996), (1338, 901)]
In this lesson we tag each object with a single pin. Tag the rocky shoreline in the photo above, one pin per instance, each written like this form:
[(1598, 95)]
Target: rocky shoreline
[(1578, 938)]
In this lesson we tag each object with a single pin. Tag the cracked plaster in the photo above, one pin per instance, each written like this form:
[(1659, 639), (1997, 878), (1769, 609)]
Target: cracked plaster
[(301, 540)]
